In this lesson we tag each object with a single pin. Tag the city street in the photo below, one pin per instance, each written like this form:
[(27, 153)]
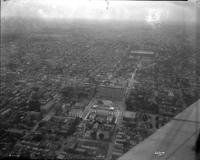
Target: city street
[(121, 108), (87, 108)]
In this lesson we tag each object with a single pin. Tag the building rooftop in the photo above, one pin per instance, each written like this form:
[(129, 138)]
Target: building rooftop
[(142, 52)]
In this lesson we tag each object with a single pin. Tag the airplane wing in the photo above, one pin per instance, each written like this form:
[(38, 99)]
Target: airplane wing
[(173, 141)]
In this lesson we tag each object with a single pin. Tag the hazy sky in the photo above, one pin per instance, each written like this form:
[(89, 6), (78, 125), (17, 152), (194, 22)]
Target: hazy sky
[(151, 12)]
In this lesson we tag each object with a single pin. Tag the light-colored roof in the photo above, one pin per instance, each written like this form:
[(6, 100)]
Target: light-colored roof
[(108, 102), (174, 141), (142, 52), (129, 114)]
